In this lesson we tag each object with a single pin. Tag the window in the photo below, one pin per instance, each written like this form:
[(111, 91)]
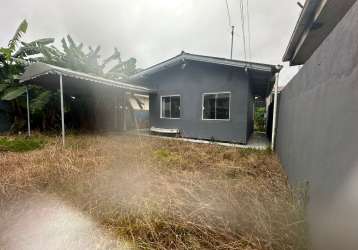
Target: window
[(216, 106), (170, 107)]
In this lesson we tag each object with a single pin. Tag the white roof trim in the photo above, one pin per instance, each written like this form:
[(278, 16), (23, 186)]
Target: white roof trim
[(36, 70)]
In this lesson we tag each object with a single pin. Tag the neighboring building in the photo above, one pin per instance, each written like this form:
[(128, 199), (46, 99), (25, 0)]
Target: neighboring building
[(317, 138), (206, 97)]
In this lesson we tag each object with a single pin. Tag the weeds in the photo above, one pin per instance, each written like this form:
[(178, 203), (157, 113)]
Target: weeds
[(159, 194)]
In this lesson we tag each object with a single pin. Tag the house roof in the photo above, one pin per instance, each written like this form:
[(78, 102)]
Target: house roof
[(45, 75), (318, 18), (262, 75), (206, 59)]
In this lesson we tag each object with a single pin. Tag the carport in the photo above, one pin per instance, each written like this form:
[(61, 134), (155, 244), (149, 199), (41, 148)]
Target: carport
[(75, 83)]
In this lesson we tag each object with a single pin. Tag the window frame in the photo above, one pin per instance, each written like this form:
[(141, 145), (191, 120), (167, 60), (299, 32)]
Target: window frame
[(161, 107), (215, 93)]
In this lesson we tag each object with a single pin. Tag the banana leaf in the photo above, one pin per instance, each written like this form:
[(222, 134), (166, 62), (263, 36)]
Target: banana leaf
[(13, 93), (18, 34), (3, 86)]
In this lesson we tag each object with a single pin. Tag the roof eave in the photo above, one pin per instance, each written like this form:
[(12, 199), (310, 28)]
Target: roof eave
[(316, 22), (300, 28)]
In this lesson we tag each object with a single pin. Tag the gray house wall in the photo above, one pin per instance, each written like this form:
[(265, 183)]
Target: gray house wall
[(250, 112), (317, 138), (191, 83)]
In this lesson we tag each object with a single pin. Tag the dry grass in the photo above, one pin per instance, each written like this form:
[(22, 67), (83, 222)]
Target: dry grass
[(125, 192)]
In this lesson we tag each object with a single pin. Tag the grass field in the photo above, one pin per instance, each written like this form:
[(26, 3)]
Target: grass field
[(128, 192)]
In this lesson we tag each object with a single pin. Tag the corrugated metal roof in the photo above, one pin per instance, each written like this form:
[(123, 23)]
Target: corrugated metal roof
[(207, 59), (37, 70)]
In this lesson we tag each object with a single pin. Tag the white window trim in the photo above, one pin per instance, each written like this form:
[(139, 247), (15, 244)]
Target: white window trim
[(215, 93), (161, 107)]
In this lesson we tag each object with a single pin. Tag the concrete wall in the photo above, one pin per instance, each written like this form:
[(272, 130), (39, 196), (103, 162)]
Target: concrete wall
[(190, 83), (318, 135)]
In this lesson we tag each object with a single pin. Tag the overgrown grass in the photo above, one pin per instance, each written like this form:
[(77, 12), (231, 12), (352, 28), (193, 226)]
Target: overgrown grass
[(141, 193), (20, 144)]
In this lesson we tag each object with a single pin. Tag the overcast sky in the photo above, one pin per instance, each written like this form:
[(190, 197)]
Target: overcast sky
[(155, 30)]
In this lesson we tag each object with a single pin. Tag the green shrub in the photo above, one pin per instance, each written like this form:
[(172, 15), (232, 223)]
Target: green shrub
[(260, 119), (20, 144)]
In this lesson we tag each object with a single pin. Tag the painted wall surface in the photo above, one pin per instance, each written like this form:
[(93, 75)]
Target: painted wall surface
[(318, 135), (191, 83), (250, 113)]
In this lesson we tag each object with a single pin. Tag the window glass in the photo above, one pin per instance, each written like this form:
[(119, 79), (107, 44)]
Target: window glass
[(166, 107), (216, 106), (209, 107), (170, 107), (223, 106), (175, 107)]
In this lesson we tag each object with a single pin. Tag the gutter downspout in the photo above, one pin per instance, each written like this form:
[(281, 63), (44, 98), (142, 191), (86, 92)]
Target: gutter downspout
[(274, 124)]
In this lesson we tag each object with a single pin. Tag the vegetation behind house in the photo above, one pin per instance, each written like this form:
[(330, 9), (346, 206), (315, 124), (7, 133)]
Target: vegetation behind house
[(260, 121)]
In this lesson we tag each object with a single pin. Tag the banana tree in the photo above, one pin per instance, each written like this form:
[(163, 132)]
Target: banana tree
[(13, 60), (18, 54), (73, 56)]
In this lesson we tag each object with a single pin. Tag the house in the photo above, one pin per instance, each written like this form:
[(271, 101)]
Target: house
[(316, 107), (317, 137), (206, 97), (197, 96)]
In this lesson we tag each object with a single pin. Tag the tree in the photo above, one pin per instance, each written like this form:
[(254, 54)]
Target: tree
[(13, 60), (74, 57), (44, 104)]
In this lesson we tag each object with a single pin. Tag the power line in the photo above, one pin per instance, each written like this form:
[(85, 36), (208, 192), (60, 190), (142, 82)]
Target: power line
[(242, 11), (232, 28), (232, 41), (248, 27), (228, 13)]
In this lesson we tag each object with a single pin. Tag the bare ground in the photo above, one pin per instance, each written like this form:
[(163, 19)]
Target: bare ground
[(128, 192)]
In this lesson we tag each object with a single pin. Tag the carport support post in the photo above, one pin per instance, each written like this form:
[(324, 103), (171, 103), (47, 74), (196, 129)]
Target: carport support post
[(28, 111), (274, 122), (62, 112)]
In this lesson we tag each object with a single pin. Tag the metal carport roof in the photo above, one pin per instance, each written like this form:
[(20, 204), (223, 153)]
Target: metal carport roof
[(71, 82), (38, 72)]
